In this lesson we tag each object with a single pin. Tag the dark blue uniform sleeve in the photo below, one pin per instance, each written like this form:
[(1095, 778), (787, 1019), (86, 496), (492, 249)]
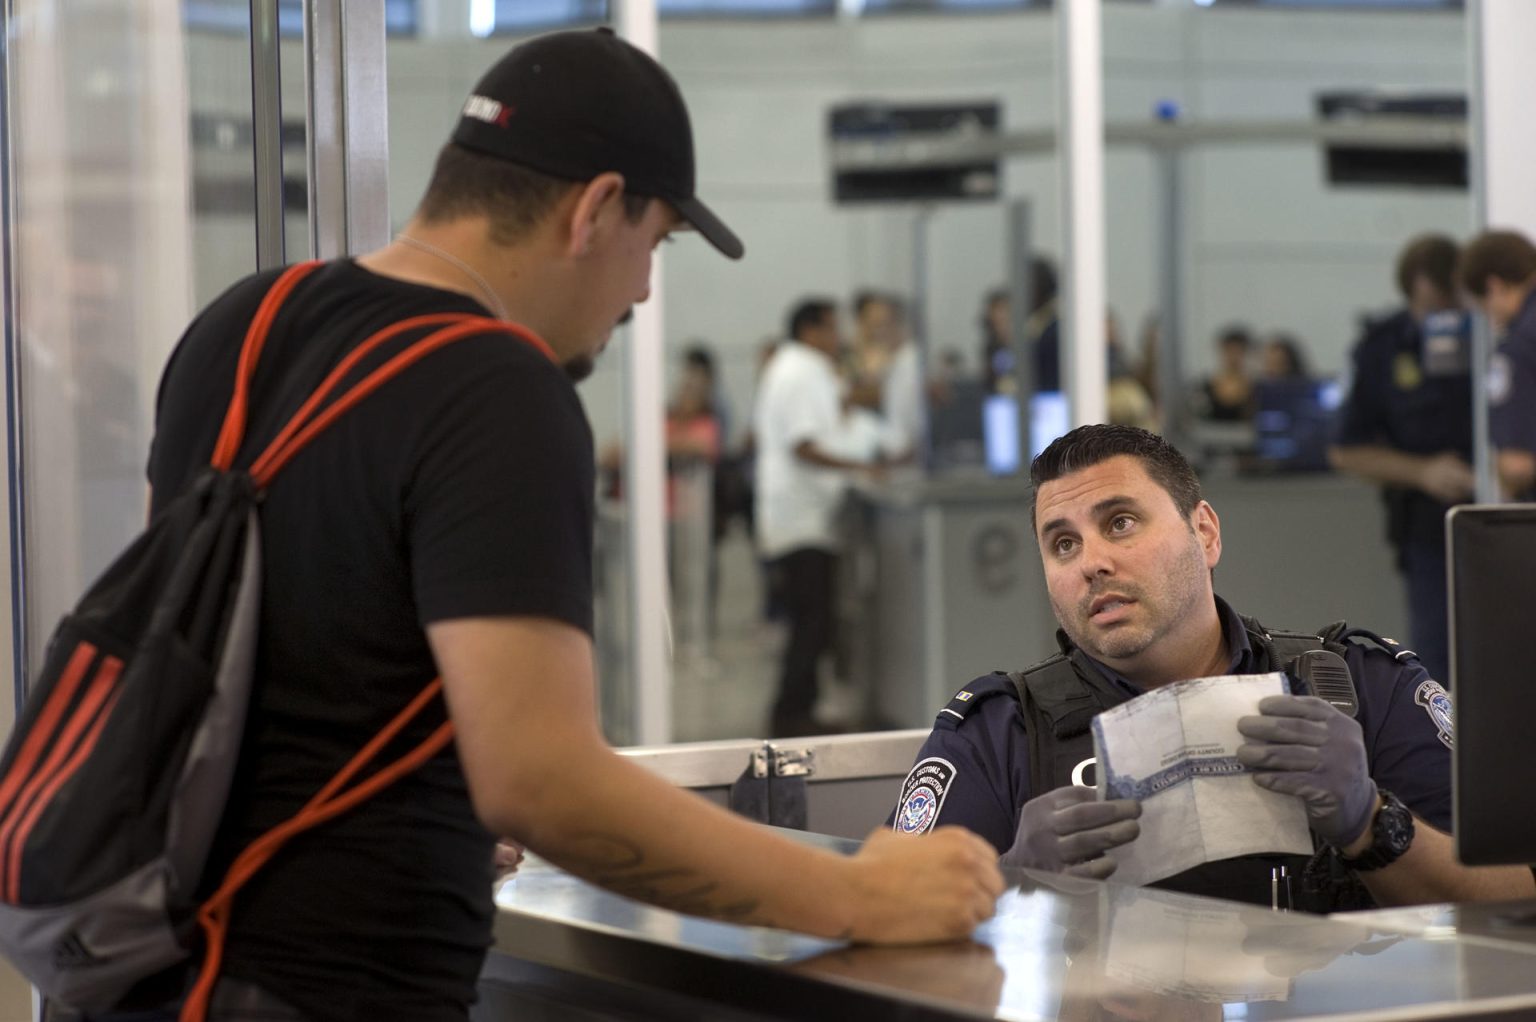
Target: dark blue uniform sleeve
[(973, 769), (1406, 717), (1362, 419), (1512, 395)]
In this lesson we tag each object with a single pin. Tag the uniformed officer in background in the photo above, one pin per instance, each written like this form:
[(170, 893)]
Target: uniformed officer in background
[(1408, 425), (1129, 549), (1498, 269)]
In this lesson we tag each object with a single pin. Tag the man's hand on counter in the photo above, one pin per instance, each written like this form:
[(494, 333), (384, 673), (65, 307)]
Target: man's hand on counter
[(915, 890)]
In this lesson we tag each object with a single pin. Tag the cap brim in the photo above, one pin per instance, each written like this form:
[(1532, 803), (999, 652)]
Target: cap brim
[(711, 226)]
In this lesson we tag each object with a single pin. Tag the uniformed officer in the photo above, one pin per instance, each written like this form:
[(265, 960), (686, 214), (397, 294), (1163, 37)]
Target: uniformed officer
[(1408, 426), (1498, 268), (1129, 548)]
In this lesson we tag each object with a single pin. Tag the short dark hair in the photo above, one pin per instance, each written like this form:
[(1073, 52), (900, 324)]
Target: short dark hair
[(512, 197), (810, 312), (1431, 256), (698, 356), (1235, 333), (1087, 446), (864, 299), (1507, 255)]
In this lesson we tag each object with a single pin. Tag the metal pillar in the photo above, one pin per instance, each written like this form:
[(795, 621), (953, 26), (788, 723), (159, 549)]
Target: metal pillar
[(267, 133), (1080, 89), (645, 473), (1021, 302), (348, 127)]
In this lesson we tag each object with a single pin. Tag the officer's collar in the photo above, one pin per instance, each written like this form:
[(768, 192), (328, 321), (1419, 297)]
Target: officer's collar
[(1237, 641), (1526, 317)]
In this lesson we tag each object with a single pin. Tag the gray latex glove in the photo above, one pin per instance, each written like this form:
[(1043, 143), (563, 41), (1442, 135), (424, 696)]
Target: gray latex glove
[(1068, 831), (1302, 746)]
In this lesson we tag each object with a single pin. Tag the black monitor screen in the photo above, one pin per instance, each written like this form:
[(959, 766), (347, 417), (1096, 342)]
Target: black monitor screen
[(1294, 423), (1492, 557)]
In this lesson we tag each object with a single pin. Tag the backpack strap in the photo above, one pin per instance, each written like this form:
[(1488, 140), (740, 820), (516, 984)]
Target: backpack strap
[(233, 429), (336, 797), (331, 801), (308, 422)]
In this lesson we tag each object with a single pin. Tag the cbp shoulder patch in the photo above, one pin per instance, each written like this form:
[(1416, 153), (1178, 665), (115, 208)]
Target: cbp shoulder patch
[(1500, 379), (1437, 703), (922, 795)]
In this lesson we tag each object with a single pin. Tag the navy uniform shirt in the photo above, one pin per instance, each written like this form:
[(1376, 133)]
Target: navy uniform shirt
[(973, 769), (1403, 400), (1512, 382)]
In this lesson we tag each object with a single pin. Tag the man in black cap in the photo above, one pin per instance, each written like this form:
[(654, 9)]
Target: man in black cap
[(445, 527)]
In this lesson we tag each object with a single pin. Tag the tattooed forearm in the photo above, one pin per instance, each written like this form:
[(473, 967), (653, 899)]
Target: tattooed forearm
[(615, 863)]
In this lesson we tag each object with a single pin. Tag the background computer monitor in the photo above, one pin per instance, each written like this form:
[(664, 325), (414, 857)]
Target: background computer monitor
[(1293, 423), (1492, 563), (1050, 416)]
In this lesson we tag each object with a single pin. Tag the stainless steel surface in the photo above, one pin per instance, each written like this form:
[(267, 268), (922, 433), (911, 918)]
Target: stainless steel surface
[(1056, 949), (699, 764), (835, 757), (348, 128), (266, 133)]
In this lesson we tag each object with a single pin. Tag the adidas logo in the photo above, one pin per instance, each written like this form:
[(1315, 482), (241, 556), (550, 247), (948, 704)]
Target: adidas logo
[(71, 953)]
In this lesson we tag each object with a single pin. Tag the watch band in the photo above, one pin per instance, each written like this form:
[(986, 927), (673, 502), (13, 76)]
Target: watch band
[(1391, 835)]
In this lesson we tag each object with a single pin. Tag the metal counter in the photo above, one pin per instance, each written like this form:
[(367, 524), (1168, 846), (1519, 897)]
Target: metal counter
[(1056, 949)]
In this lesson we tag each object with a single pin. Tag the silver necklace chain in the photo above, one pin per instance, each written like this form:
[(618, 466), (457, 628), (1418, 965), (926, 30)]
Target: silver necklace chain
[(480, 282)]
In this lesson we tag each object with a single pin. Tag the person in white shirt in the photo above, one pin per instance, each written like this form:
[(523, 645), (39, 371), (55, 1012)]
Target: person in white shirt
[(800, 484)]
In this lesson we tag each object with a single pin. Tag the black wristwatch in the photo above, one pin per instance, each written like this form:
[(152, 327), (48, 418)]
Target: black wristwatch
[(1391, 834)]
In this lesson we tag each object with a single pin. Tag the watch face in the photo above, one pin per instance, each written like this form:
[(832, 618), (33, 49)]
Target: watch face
[(1391, 834), (1394, 828)]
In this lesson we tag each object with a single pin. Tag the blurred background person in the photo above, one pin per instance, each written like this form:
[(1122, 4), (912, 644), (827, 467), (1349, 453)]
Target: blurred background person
[(1407, 425), (1227, 394), (1042, 330), (1127, 402), (1498, 269), (1282, 358), (799, 423)]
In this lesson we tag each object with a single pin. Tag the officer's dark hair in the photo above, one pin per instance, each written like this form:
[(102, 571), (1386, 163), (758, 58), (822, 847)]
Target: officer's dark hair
[(513, 198), (1506, 255), (810, 312), (1087, 446), (1431, 256)]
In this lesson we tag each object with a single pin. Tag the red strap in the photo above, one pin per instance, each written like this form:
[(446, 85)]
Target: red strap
[(329, 802), (285, 446), (233, 430), (305, 425)]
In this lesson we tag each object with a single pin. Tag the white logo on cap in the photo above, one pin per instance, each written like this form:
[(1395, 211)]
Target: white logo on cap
[(483, 108)]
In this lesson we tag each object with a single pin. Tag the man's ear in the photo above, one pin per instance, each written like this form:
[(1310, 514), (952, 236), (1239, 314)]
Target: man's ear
[(1208, 529), (594, 204)]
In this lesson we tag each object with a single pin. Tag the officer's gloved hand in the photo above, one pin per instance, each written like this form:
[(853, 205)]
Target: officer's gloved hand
[(1068, 831), (1302, 746)]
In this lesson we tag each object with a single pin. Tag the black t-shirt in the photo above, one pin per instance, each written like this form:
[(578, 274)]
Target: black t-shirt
[(463, 487)]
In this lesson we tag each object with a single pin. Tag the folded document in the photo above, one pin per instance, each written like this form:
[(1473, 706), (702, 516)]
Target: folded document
[(1174, 749)]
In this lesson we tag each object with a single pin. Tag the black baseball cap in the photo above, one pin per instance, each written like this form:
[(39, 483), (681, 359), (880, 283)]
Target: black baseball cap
[(578, 104)]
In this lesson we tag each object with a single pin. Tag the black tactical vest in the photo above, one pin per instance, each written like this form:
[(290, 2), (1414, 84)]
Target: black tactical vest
[(1060, 697)]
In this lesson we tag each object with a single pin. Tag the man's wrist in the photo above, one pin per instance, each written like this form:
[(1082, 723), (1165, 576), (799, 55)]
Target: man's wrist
[(1367, 837), (1391, 833)]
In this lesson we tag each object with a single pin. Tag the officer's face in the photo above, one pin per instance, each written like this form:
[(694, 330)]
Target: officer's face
[(1129, 576)]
